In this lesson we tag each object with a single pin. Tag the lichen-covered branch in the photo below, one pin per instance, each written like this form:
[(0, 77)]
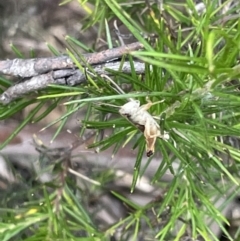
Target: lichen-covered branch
[(37, 74), (26, 68)]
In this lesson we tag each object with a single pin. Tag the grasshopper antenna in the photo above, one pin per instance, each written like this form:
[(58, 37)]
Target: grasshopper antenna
[(119, 35), (117, 87)]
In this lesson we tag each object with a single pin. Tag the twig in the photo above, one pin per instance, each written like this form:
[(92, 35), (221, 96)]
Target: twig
[(37, 74), (69, 77), (26, 68)]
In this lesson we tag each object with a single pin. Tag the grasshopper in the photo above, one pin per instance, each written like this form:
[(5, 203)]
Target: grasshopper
[(144, 121)]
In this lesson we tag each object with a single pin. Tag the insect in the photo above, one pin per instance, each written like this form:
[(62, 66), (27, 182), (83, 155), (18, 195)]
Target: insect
[(140, 117)]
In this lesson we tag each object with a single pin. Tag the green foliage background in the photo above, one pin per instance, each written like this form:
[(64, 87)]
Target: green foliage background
[(191, 65)]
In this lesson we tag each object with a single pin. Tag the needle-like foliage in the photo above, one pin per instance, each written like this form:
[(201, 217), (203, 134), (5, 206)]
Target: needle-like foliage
[(192, 64)]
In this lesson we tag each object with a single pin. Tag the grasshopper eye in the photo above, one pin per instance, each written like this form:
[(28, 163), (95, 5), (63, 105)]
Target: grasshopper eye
[(127, 115)]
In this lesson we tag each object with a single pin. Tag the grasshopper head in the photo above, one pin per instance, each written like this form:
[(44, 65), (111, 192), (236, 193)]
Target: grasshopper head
[(130, 108)]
